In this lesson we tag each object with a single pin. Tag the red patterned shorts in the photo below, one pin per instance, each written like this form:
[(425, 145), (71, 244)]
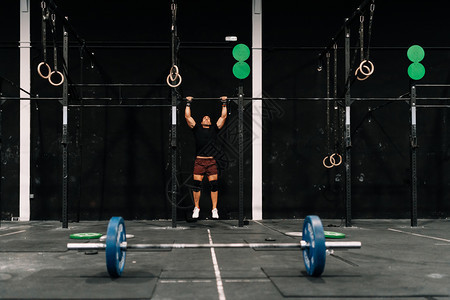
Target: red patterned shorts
[(204, 166)]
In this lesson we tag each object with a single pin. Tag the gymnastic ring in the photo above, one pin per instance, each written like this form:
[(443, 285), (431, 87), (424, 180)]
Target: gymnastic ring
[(359, 70), (48, 68), (325, 164), (173, 85), (371, 69), (176, 73), (362, 78), (334, 161), (50, 78)]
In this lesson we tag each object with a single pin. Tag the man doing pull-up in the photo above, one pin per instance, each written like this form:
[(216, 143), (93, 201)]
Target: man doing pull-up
[(205, 134)]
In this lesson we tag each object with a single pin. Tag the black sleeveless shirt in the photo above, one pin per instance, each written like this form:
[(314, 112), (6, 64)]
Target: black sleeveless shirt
[(205, 139)]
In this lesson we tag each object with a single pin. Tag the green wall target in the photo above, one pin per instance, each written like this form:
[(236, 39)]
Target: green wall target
[(416, 54), (241, 53)]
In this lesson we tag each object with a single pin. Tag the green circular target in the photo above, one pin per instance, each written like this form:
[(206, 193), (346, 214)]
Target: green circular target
[(85, 235), (241, 70), (415, 53), (416, 71), (241, 52), (334, 235)]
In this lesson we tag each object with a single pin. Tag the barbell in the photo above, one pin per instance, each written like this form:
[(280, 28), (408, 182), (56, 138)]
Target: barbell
[(313, 246)]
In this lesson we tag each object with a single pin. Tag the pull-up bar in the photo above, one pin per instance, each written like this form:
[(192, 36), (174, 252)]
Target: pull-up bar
[(116, 84)]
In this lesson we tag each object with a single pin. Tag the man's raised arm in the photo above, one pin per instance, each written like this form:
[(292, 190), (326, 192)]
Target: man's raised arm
[(224, 113), (187, 112)]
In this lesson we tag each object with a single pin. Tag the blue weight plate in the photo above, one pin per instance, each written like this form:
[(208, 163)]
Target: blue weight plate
[(115, 257), (314, 255)]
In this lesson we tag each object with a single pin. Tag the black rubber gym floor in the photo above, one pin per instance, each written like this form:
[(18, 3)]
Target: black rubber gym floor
[(396, 261)]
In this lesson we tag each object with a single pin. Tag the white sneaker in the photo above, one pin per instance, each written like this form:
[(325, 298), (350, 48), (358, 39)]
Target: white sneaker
[(195, 213), (215, 215)]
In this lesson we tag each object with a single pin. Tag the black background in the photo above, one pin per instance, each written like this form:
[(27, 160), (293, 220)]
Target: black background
[(119, 157)]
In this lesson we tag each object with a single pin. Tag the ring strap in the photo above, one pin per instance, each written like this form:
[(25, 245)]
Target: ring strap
[(55, 48), (44, 30)]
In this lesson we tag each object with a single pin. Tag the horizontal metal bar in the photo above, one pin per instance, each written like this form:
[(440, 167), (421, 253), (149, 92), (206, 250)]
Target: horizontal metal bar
[(118, 45), (327, 99), (432, 85), (292, 98), (122, 99), (433, 106), (302, 245), (211, 98), (120, 105), (30, 98), (433, 98), (232, 98), (86, 246), (343, 245), (125, 246), (117, 84), (313, 98)]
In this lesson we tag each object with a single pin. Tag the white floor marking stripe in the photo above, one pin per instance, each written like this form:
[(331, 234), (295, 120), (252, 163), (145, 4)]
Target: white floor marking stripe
[(246, 280), (11, 233), (186, 281), (420, 235), (216, 270), (209, 281)]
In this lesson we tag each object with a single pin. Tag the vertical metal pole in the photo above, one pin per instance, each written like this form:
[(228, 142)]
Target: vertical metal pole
[(1, 160), (348, 141), (64, 140), (173, 142), (173, 145), (25, 111), (413, 158), (80, 134), (257, 113), (241, 152)]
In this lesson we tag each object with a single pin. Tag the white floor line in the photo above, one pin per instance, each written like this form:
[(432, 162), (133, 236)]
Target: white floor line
[(11, 233), (257, 222), (185, 281), (420, 235), (209, 281), (246, 280), (216, 270)]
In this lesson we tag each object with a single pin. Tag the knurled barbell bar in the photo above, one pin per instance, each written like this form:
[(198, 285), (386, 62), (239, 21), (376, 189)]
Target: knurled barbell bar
[(313, 245)]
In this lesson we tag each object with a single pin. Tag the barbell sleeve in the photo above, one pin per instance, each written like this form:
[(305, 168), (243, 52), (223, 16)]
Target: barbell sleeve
[(86, 246), (343, 245)]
